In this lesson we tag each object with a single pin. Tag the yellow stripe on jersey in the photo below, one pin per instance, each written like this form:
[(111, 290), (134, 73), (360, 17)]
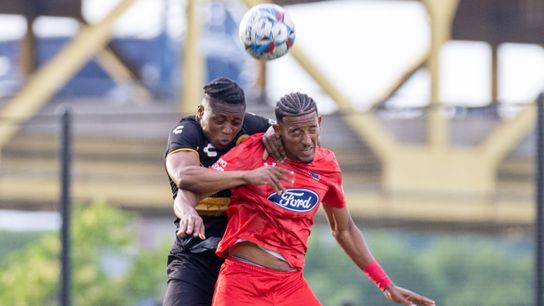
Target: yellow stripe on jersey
[(183, 149), (212, 206)]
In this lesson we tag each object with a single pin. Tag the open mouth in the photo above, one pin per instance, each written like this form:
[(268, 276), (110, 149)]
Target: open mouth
[(224, 142), (308, 150)]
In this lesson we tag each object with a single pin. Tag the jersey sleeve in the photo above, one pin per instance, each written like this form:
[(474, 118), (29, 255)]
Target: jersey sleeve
[(256, 124), (245, 156), (335, 195), (184, 137)]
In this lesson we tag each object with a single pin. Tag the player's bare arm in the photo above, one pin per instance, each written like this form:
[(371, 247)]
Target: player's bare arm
[(190, 223), (352, 241), (177, 162), (203, 180), (348, 235), (273, 145)]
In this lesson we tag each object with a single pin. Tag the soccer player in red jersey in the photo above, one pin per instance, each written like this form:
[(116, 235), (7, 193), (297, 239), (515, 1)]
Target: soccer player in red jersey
[(272, 210)]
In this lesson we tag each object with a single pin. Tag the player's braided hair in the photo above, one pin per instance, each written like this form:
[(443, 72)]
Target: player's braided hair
[(293, 105), (225, 90)]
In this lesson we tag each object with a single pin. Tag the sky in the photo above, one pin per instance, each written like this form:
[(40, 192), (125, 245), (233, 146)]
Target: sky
[(371, 43), (362, 46)]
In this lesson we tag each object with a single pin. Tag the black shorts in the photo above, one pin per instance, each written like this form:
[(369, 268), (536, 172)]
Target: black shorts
[(191, 278)]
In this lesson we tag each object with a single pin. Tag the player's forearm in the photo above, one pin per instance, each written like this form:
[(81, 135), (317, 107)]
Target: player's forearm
[(203, 180), (354, 245), (185, 199)]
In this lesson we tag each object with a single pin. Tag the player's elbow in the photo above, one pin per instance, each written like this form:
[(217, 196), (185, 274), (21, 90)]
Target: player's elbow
[(186, 182), (340, 235), (186, 179), (343, 233), (181, 182)]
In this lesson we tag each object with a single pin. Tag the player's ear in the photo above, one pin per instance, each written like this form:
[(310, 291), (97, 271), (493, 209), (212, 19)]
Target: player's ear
[(199, 111), (318, 120), (277, 129)]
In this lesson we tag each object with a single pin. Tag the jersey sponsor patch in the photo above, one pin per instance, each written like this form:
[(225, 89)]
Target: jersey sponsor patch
[(220, 165), (299, 200), (210, 150), (178, 129)]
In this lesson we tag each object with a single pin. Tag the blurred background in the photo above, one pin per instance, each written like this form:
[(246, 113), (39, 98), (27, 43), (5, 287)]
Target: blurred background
[(430, 107)]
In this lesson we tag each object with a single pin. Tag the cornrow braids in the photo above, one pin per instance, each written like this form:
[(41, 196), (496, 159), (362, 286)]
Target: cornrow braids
[(294, 105), (225, 90)]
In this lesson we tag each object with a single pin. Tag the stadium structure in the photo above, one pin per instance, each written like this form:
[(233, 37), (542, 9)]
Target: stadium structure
[(430, 165)]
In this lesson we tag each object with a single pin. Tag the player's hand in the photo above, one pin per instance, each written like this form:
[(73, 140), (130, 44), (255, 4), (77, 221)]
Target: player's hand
[(269, 175), (273, 145), (406, 297), (190, 223)]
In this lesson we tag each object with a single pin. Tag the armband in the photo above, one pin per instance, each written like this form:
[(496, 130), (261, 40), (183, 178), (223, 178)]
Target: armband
[(377, 275)]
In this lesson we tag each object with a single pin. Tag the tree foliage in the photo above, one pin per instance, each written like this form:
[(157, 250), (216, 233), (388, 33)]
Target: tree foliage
[(100, 235), (453, 270)]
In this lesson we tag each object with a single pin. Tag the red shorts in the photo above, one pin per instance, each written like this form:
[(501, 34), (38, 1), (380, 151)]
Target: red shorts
[(244, 284)]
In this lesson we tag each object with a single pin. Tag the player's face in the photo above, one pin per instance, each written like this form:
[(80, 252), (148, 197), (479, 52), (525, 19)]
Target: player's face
[(300, 136), (220, 121)]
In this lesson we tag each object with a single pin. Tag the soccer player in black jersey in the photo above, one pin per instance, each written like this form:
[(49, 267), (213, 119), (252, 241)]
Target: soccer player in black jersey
[(220, 124)]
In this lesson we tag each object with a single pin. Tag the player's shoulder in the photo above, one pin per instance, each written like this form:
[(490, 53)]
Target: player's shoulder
[(254, 123), (325, 156), (187, 125), (325, 153), (252, 140), (189, 121), (246, 151), (250, 144), (252, 117)]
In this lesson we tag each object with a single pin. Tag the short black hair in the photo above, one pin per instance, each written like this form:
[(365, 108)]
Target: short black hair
[(225, 90), (294, 105)]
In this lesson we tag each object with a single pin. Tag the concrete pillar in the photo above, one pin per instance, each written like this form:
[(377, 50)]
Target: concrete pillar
[(193, 61)]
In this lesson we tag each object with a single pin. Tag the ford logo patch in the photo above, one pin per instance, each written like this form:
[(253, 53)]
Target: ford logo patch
[(299, 200)]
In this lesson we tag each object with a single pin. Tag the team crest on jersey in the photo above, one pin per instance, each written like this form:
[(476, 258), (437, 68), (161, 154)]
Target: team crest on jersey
[(314, 175), (241, 138), (299, 200)]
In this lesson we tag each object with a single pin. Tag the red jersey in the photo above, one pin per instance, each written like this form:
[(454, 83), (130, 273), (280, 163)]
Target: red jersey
[(281, 223)]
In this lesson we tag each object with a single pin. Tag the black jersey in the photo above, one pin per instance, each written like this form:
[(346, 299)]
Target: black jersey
[(188, 136)]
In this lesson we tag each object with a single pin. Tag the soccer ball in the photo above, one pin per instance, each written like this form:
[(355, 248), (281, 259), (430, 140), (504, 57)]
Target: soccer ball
[(267, 32)]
